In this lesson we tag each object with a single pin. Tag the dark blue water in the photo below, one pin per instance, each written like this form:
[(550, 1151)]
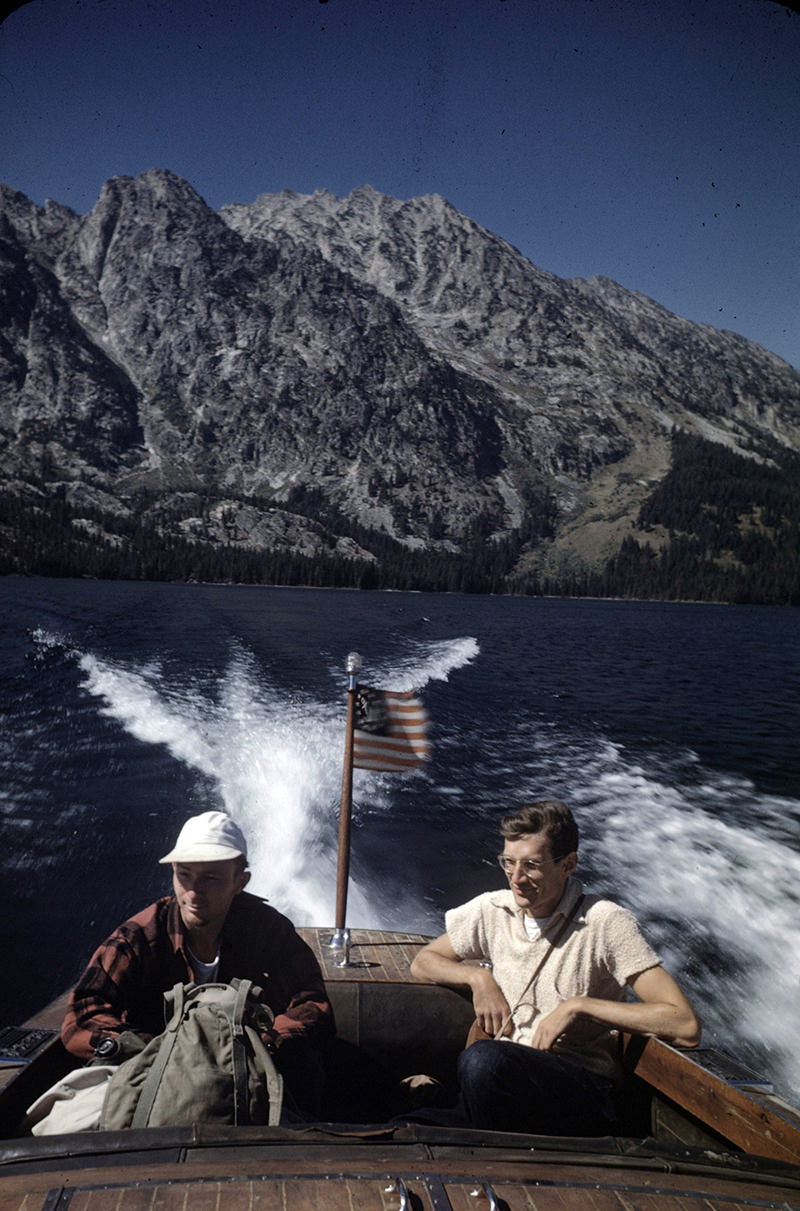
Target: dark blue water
[(671, 729)]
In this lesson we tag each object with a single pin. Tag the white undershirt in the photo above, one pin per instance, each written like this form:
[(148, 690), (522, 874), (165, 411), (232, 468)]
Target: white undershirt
[(204, 973), (535, 926)]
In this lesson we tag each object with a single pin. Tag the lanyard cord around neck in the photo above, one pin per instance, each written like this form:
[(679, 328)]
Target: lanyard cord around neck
[(565, 924)]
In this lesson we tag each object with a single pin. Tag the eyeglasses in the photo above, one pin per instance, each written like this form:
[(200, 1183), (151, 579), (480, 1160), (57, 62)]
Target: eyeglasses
[(530, 866)]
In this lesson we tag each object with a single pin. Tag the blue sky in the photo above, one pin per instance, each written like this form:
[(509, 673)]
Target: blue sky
[(657, 143)]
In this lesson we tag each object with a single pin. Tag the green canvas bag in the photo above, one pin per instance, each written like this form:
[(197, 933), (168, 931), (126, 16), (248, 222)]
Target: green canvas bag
[(209, 1065)]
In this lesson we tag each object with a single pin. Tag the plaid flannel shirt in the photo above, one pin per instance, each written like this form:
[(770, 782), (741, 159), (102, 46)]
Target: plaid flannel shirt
[(124, 984)]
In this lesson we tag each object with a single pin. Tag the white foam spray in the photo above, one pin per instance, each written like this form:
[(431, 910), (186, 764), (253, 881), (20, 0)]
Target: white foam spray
[(275, 758), (687, 849)]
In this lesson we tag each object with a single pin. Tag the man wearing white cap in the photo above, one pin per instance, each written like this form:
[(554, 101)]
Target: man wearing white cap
[(209, 930)]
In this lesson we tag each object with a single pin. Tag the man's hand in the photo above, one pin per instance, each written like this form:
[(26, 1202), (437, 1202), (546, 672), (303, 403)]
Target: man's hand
[(662, 1011), (439, 963), (491, 1007), (552, 1026)]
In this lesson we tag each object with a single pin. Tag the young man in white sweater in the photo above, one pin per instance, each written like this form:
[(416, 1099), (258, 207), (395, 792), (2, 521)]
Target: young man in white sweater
[(549, 968)]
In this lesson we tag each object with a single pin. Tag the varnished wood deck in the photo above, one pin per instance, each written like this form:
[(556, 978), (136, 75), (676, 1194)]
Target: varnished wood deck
[(376, 956), (590, 1189)]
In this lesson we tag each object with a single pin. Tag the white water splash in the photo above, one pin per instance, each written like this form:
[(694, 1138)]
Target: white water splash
[(432, 660), (695, 863), (275, 760)]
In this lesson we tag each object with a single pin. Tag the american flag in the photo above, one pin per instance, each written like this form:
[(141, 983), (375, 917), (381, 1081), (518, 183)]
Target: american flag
[(391, 730)]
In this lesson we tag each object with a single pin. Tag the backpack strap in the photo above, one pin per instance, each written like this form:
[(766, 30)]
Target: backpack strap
[(173, 1000), (260, 1018), (241, 1092), (141, 1114)]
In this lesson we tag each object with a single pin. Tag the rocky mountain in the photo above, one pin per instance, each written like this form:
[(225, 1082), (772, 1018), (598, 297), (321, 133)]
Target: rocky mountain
[(369, 391)]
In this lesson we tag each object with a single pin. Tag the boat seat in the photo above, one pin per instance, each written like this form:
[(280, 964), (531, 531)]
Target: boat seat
[(408, 1028)]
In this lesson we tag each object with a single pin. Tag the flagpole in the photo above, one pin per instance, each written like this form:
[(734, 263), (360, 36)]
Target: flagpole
[(341, 936)]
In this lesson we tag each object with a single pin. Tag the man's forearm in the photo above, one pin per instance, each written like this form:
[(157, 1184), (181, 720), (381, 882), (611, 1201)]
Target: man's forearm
[(438, 969), (80, 1032), (491, 1007), (673, 1023)]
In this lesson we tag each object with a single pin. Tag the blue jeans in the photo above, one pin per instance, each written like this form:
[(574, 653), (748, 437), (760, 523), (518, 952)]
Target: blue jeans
[(511, 1087)]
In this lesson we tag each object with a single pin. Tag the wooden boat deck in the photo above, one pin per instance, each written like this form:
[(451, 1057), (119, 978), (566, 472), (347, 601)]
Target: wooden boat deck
[(376, 956), (335, 1182)]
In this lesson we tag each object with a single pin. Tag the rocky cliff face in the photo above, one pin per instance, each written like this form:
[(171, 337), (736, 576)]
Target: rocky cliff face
[(280, 373)]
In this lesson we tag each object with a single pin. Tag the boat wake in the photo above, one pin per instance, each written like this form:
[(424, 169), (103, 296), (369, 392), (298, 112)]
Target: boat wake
[(702, 859), (274, 760)]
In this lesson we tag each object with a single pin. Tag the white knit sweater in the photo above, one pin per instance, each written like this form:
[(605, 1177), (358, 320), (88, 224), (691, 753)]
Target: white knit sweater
[(601, 952)]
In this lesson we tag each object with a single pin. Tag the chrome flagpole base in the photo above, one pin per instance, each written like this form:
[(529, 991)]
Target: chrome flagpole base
[(340, 941)]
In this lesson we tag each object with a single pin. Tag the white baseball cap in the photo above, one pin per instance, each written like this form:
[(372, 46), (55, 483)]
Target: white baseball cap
[(211, 837)]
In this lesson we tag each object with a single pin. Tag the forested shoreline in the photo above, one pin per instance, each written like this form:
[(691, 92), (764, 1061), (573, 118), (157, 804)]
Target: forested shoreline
[(725, 528)]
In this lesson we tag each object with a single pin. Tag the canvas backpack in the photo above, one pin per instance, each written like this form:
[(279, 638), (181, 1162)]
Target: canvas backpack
[(208, 1066)]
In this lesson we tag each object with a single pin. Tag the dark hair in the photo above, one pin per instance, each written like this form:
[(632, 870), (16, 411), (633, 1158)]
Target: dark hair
[(548, 816)]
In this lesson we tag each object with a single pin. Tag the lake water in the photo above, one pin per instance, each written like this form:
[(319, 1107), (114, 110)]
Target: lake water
[(672, 730)]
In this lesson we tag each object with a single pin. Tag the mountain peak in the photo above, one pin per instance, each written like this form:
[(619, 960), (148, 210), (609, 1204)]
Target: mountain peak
[(308, 373)]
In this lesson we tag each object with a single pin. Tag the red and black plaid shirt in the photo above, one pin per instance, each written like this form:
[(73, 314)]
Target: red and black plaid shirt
[(123, 987)]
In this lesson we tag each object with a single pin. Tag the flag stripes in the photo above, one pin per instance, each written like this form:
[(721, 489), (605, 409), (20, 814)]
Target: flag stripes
[(391, 730)]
